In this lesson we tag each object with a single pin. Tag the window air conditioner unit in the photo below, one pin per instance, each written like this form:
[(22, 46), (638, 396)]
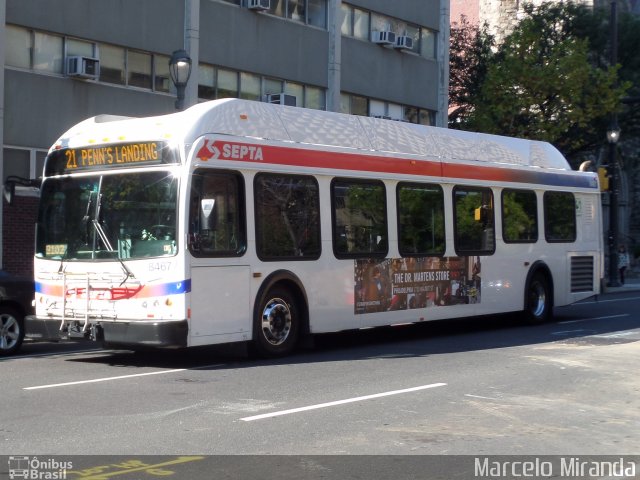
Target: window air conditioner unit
[(384, 38), (259, 4), (404, 42), (282, 99), (83, 67)]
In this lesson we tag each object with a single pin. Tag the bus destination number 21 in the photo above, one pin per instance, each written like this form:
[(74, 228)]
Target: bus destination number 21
[(112, 156)]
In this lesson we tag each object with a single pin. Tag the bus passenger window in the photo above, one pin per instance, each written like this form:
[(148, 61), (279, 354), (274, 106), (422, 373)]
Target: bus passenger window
[(559, 217), (420, 219), (359, 218), (474, 223), (287, 217), (216, 214), (519, 216)]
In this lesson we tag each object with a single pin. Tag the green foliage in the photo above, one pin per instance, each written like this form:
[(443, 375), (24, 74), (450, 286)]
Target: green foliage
[(470, 51), (549, 80)]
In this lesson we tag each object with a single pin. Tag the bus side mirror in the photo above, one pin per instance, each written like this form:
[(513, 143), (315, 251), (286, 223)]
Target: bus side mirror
[(9, 188), (8, 191)]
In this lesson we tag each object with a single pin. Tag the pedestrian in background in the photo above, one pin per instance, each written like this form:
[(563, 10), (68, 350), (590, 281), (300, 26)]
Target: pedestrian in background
[(623, 262)]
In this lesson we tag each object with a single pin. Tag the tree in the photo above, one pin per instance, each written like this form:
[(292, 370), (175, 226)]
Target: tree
[(470, 50), (550, 80)]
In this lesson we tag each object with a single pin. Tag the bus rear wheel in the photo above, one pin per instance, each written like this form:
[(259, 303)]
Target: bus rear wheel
[(538, 302), (276, 324)]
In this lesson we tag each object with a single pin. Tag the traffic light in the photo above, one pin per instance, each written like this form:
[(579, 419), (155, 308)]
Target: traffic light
[(603, 175)]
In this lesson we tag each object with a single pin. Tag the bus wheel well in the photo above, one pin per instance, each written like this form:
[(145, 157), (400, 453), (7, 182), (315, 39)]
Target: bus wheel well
[(286, 285), (538, 294)]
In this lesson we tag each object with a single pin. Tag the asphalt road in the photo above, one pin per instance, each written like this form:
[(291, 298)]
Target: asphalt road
[(484, 386)]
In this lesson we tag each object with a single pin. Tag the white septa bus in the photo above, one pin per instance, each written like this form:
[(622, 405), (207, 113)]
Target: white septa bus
[(244, 221)]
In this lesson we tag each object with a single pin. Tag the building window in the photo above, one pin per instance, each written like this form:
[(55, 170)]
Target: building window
[(519, 216), (354, 104), (420, 219), (138, 69), (272, 85), (227, 84), (23, 162), (360, 24), (16, 162), (559, 217), (206, 82), (112, 64), (474, 231), (80, 48), (249, 86), (359, 218), (17, 47), (161, 76), (347, 19), (315, 98), (297, 90), (47, 53), (317, 13), (413, 32), (427, 43), (287, 217), (311, 12)]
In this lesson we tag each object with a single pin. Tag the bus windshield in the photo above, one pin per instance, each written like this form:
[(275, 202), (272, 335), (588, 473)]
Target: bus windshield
[(123, 216)]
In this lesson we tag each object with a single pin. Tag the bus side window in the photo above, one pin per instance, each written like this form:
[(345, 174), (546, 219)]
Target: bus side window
[(216, 214), (359, 218), (474, 220), (559, 217)]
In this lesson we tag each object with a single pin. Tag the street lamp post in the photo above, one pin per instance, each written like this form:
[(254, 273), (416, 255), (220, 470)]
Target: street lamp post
[(180, 71), (613, 135)]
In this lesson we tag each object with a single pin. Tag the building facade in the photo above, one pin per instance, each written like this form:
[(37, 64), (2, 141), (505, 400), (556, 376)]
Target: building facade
[(67, 60)]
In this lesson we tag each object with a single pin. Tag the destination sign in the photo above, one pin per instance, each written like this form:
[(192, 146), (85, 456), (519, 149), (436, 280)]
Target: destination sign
[(108, 156)]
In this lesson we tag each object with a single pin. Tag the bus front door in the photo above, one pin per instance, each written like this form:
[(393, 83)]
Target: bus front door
[(220, 305)]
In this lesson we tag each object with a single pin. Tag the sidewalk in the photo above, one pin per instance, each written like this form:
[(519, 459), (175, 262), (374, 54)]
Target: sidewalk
[(630, 285)]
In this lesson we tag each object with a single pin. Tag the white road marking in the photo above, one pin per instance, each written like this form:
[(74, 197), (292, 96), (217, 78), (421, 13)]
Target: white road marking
[(605, 301), (340, 402), (105, 379), (593, 318)]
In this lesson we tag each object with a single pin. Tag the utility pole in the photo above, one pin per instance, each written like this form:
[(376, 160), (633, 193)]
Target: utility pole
[(613, 135)]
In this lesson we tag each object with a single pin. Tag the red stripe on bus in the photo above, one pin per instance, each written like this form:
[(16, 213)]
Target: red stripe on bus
[(235, 151)]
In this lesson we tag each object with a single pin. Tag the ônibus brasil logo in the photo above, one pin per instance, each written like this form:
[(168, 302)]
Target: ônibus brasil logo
[(40, 469)]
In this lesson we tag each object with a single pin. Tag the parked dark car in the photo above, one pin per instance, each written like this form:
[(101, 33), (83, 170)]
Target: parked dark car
[(16, 295)]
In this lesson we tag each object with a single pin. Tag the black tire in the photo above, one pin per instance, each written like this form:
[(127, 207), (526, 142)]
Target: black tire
[(11, 330), (538, 300), (276, 324)]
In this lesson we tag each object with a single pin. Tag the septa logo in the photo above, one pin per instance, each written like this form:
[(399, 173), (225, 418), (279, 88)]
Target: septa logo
[(229, 151)]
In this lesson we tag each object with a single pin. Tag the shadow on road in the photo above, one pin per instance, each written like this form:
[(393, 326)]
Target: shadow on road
[(576, 324)]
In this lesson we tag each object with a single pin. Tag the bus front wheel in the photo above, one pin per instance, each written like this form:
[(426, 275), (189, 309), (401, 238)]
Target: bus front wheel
[(276, 324), (538, 302)]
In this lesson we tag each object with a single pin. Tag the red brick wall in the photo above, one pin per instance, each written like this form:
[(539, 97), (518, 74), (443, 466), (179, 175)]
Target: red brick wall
[(18, 235)]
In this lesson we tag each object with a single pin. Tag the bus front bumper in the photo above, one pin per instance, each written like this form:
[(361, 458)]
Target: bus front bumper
[(123, 333)]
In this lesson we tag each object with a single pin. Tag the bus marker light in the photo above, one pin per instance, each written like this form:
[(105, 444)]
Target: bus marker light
[(244, 116), (168, 302)]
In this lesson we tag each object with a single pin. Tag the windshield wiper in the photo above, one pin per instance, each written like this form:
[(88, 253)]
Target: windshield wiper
[(105, 240)]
